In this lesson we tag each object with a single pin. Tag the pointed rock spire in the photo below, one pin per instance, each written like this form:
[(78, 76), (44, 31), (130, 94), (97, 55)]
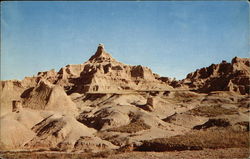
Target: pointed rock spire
[(100, 49), (101, 55)]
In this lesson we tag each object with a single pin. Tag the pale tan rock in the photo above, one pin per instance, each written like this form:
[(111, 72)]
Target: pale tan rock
[(47, 96), (13, 135), (16, 127), (65, 133), (9, 90)]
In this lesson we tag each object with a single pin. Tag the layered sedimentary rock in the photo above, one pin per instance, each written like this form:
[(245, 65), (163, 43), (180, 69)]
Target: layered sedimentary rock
[(104, 104), (46, 96), (225, 76), (102, 73)]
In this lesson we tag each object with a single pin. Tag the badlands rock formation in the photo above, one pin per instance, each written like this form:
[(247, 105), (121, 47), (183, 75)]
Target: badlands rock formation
[(104, 104), (225, 76), (102, 73)]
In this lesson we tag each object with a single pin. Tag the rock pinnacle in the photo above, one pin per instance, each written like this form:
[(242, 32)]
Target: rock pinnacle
[(101, 54)]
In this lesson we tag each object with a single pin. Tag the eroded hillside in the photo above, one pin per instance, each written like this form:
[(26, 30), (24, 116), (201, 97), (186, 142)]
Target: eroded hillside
[(105, 105)]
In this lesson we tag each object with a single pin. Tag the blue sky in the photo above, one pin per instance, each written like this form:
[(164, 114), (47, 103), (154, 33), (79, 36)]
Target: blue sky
[(172, 38)]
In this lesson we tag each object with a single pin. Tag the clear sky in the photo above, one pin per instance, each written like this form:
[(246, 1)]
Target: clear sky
[(172, 38)]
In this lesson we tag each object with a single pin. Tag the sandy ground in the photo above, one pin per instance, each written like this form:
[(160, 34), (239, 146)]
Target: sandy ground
[(208, 153), (203, 154)]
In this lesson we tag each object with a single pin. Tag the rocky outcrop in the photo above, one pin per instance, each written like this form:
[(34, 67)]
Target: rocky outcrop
[(102, 73), (46, 96), (225, 76), (9, 91)]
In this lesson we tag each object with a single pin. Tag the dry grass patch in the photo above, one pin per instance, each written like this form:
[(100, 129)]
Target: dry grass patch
[(53, 155), (212, 111), (45, 155), (198, 140), (180, 94), (133, 127), (184, 97), (213, 123)]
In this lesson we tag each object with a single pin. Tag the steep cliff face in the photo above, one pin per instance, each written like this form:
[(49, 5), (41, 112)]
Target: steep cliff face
[(225, 76)]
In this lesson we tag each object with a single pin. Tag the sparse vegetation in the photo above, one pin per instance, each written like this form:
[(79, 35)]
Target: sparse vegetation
[(184, 97), (212, 111), (36, 155), (133, 127), (102, 154), (53, 155), (198, 140), (213, 123)]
